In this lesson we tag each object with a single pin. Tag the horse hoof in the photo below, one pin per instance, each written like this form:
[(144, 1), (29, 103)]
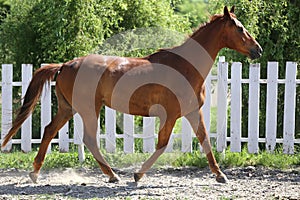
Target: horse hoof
[(138, 176), (114, 179), (33, 176), (221, 178)]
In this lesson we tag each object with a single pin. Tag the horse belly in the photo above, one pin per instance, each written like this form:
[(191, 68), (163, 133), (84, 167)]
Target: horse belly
[(147, 100)]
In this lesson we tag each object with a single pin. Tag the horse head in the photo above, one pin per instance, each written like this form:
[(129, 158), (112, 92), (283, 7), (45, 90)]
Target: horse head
[(235, 36)]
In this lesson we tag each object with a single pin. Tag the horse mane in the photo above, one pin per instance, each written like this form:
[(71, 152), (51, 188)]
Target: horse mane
[(212, 20), (204, 25), (198, 30)]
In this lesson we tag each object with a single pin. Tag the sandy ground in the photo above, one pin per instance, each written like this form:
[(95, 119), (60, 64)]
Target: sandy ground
[(164, 183)]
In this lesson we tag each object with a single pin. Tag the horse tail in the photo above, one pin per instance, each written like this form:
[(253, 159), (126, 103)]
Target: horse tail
[(33, 93)]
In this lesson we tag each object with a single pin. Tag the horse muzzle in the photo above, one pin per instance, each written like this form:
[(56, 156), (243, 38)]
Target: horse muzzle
[(256, 52)]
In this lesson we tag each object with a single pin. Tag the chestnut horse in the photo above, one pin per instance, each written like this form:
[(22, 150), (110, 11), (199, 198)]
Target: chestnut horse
[(168, 84)]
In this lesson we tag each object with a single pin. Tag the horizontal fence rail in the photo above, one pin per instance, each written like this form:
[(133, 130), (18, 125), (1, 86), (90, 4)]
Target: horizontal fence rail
[(226, 92)]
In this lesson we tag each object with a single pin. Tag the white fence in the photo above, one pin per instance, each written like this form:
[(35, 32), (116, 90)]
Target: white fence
[(225, 98)]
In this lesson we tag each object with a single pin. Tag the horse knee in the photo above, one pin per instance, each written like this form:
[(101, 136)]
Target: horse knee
[(161, 147), (87, 140), (206, 146), (48, 133)]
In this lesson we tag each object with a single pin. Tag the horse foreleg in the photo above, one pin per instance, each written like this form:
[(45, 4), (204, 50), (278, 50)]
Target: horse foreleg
[(163, 139), (62, 116), (89, 139), (196, 120)]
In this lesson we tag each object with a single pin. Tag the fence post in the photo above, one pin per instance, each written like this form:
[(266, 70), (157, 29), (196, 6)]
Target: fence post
[(271, 106), (46, 108), (207, 103), (236, 107), (186, 136), (222, 106), (7, 77), (78, 136), (148, 134), (253, 109), (63, 136), (170, 143), (26, 130), (128, 133), (289, 108), (110, 130)]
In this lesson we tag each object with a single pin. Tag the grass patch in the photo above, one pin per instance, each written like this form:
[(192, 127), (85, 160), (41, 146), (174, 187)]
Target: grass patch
[(191, 159), (277, 160), (55, 159), (16, 160), (271, 160)]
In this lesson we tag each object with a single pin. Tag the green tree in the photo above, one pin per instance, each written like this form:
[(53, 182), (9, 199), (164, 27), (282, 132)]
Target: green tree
[(55, 31), (4, 9), (195, 10), (141, 34), (36, 31)]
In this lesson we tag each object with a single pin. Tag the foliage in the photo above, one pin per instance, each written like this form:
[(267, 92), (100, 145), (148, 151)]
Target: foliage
[(56, 31), (191, 159), (52, 31), (275, 24), (264, 158), (140, 42), (242, 159), (154, 13), (195, 10), (4, 9)]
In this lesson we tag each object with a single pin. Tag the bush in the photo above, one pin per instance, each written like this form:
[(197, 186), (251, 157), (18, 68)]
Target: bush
[(56, 31)]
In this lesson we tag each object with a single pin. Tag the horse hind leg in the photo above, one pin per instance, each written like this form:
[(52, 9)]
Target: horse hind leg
[(64, 113), (89, 139)]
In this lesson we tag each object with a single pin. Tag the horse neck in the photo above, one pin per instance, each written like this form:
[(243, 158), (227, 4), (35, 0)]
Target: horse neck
[(201, 49), (209, 37)]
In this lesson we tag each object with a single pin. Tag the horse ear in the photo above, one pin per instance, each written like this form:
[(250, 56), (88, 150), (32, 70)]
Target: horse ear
[(232, 9), (226, 12)]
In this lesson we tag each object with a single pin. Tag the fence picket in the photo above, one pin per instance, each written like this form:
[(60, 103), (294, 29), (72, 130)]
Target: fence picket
[(128, 133), (148, 134), (110, 128), (64, 140), (289, 108), (271, 113), (187, 135), (170, 144), (46, 108), (253, 109), (78, 136), (235, 104), (7, 78), (206, 106), (26, 130), (222, 106)]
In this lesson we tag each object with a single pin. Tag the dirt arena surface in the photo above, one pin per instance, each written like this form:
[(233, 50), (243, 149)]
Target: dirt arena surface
[(165, 183)]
